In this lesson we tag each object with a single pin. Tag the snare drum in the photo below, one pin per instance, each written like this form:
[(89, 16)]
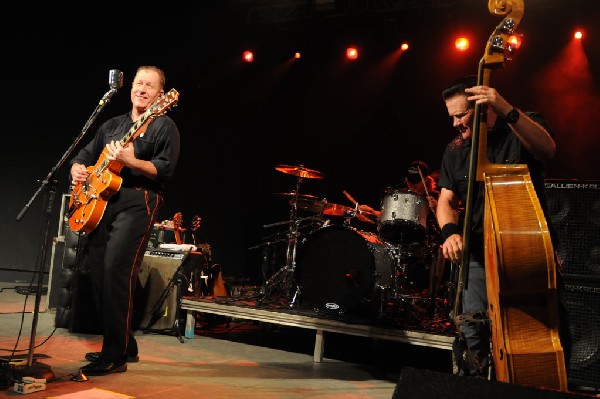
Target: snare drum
[(403, 216)]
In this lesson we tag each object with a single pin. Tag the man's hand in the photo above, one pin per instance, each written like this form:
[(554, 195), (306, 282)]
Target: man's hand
[(452, 247), (116, 152), (79, 173)]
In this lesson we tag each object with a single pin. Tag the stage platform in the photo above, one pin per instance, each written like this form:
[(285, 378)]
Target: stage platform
[(407, 324)]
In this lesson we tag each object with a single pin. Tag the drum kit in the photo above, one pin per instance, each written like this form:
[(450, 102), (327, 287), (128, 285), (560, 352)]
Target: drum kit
[(340, 269)]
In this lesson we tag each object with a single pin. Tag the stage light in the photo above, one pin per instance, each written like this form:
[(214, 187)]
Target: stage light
[(461, 44), (578, 35), (297, 55), (248, 56), (515, 41), (404, 46), (352, 53)]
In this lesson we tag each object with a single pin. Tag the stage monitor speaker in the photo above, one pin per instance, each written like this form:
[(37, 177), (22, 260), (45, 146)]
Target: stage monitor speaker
[(418, 384), (574, 210)]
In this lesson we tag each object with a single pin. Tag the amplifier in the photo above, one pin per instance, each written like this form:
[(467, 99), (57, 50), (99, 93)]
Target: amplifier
[(159, 290), (165, 276), (583, 304), (574, 210)]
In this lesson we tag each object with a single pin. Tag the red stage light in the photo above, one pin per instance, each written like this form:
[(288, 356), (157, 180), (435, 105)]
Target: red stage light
[(248, 56), (515, 41), (297, 55), (404, 46), (351, 53), (578, 35), (461, 44)]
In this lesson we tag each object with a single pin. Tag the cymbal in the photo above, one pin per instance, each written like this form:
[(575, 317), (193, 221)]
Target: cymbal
[(316, 206), (293, 194), (337, 210), (300, 171)]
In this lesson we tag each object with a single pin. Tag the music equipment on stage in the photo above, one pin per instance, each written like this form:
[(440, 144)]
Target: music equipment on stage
[(403, 216), (520, 267), (88, 200), (167, 232), (342, 269), (165, 276), (574, 209), (416, 383), (299, 171), (283, 279)]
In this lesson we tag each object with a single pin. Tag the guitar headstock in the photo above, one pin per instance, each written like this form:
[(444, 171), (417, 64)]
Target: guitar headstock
[(164, 103), (196, 220), (499, 48), (177, 220)]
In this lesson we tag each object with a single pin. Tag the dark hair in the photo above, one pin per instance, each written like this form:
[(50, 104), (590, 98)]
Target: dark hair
[(459, 86), (413, 174)]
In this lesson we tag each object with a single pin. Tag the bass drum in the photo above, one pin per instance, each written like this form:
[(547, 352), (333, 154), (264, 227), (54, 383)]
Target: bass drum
[(340, 269)]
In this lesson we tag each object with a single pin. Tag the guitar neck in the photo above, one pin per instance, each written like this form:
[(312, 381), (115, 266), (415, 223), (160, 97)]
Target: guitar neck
[(135, 130)]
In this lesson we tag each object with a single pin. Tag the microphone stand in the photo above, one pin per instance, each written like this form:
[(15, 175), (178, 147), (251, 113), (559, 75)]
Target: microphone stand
[(33, 368)]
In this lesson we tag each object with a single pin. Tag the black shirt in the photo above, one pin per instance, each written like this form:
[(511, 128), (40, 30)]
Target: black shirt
[(159, 144), (503, 147)]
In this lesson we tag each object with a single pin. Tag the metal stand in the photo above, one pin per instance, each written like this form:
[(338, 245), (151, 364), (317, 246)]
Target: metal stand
[(48, 186), (283, 279)]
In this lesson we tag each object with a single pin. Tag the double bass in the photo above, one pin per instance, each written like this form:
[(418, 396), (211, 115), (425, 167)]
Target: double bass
[(519, 257)]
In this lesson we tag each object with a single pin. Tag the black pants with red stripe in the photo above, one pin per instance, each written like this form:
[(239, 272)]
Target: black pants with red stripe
[(113, 255)]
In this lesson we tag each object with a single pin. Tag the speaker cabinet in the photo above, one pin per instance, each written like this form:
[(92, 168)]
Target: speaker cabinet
[(418, 384), (574, 210), (583, 303)]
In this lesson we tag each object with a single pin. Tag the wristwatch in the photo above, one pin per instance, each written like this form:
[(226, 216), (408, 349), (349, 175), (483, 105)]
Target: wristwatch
[(512, 117)]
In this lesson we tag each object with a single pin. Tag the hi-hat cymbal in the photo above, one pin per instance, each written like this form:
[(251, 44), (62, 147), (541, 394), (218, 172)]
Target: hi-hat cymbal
[(299, 171)]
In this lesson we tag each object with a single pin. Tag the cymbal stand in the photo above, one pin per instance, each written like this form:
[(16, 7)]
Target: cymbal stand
[(283, 279)]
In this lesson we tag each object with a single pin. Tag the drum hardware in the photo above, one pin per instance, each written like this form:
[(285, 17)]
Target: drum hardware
[(300, 220), (305, 202), (284, 279), (361, 216)]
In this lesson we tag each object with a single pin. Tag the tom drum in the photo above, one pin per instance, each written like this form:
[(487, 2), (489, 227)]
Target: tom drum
[(403, 216)]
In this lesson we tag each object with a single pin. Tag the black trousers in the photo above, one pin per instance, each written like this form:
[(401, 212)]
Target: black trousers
[(113, 255)]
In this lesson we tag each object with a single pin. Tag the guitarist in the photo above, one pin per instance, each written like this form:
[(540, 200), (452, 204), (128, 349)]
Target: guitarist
[(514, 137), (114, 249)]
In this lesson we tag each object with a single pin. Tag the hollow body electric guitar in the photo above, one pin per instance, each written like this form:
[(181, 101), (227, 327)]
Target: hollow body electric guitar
[(519, 256), (89, 199)]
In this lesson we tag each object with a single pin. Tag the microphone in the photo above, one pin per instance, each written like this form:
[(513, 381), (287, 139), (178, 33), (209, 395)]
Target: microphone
[(115, 81)]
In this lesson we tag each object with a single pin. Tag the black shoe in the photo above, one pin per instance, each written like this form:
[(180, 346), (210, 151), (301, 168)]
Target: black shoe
[(94, 356), (99, 367)]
